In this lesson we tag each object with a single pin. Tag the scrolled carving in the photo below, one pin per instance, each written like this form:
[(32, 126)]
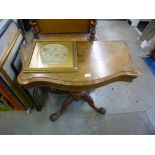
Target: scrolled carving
[(75, 96)]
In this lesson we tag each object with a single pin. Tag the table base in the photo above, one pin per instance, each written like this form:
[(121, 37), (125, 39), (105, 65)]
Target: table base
[(75, 96)]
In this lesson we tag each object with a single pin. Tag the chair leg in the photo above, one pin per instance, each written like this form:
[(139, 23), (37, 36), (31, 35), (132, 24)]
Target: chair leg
[(90, 102), (65, 105)]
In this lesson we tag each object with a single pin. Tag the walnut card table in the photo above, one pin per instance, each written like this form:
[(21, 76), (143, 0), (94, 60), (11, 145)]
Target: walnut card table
[(99, 63)]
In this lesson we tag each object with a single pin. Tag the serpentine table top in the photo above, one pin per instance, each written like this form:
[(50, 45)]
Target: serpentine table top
[(99, 62)]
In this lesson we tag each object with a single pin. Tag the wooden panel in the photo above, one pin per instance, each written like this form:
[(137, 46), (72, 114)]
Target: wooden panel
[(64, 25)]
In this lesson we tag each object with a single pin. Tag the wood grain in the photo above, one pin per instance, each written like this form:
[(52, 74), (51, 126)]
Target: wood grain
[(100, 63), (63, 25), (64, 29)]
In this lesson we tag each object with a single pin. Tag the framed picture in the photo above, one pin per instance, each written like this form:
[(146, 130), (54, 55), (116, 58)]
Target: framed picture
[(52, 56)]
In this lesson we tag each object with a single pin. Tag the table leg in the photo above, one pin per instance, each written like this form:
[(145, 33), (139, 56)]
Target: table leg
[(90, 102), (75, 96), (65, 104)]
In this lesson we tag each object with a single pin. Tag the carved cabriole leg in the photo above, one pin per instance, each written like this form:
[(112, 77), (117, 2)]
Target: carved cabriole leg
[(65, 104), (92, 30), (75, 96), (90, 102), (33, 23)]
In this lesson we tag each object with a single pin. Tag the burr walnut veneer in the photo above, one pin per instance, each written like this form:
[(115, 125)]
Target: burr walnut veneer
[(100, 63)]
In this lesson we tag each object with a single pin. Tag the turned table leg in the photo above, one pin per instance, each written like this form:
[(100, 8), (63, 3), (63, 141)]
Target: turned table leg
[(75, 96)]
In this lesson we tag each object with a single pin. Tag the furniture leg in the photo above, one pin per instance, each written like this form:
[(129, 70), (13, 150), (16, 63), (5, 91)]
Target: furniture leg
[(90, 102), (66, 103), (75, 96)]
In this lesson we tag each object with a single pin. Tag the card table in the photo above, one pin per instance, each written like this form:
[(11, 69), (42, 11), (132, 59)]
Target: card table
[(99, 63)]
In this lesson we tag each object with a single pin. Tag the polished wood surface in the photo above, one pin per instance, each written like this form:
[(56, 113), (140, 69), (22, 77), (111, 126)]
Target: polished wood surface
[(64, 25), (64, 37), (72, 29), (100, 63)]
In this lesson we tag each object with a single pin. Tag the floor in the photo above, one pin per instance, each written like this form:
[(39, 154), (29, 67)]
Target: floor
[(130, 106)]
